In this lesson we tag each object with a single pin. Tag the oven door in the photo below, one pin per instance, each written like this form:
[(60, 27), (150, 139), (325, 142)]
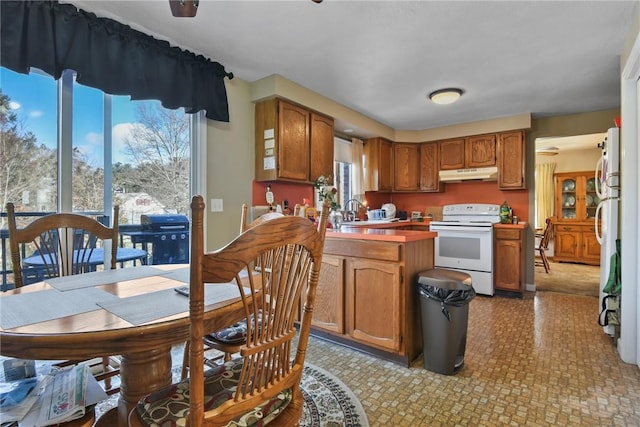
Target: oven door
[(464, 247)]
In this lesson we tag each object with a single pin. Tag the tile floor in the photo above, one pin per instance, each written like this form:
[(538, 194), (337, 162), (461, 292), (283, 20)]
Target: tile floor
[(537, 361)]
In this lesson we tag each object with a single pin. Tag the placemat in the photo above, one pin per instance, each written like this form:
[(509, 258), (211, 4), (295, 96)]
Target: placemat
[(98, 278), (34, 307), (181, 274), (141, 309)]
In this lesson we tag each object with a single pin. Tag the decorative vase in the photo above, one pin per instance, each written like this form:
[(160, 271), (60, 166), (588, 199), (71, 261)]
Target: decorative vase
[(335, 219)]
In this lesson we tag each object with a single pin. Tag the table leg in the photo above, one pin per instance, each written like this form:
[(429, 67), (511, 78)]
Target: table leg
[(141, 374)]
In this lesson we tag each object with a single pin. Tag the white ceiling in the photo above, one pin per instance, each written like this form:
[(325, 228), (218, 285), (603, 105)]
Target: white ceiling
[(382, 58)]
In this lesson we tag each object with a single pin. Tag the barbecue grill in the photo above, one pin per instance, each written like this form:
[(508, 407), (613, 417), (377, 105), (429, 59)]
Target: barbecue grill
[(168, 235)]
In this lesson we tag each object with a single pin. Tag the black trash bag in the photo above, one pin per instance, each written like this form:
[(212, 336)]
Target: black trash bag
[(447, 297)]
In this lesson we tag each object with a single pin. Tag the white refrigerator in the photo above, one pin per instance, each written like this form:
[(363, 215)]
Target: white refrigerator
[(606, 218)]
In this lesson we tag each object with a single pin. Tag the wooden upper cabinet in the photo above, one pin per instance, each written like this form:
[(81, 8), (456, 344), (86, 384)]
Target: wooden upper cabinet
[(511, 160), (321, 146), (471, 152), (452, 154), (406, 165), (292, 142), (429, 167), (378, 164), (480, 151)]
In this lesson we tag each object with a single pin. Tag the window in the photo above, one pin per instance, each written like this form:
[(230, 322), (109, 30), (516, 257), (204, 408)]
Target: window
[(348, 171), (137, 150)]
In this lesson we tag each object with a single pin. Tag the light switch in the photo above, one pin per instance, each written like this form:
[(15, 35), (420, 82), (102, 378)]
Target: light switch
[(216, 205)]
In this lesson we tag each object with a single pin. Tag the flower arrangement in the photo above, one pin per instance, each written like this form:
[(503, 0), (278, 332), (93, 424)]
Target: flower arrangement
[(326, 191)]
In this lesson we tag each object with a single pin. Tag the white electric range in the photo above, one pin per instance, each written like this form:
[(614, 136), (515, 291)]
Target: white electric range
[(465, 242)]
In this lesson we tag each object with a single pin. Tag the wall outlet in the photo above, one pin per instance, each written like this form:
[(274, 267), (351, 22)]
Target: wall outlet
[(216, 205)]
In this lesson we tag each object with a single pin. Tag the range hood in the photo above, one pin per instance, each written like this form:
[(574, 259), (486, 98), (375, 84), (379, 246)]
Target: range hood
[(457, 175)]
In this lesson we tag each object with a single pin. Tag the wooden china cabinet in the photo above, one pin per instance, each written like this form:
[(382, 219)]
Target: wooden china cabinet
[(576, 203)]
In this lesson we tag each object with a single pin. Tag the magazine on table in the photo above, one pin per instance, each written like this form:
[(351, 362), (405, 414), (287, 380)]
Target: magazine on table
[(63, 398)]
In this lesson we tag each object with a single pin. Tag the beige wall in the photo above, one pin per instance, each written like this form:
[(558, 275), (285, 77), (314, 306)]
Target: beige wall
[(230, 164), (573, 160)]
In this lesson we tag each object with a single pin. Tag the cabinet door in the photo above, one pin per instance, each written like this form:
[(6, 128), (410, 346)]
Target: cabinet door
[(508, 265), (591, 199), (510, 160), (480, 151), (452, 154), (567, 198), (385, 167), (567, 243), (429, 167), (321, 146), (328, 310), (378, 173), (373, 303), (293, 142), (406, 166), (590, 245)]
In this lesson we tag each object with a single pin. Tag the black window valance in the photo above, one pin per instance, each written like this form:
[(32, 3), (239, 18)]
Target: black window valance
[(109, 56)]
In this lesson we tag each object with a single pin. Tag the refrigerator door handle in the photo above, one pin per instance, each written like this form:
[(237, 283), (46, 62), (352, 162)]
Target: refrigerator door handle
[(597, 216), (598, 179)]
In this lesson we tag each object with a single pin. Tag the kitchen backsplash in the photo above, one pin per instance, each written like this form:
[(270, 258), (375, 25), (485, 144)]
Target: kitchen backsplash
[(458, 192)]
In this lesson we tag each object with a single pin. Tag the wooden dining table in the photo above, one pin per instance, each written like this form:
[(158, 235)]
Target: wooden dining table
[(132, 312)]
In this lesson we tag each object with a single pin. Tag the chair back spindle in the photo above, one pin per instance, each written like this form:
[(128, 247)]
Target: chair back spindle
[(63, 242)]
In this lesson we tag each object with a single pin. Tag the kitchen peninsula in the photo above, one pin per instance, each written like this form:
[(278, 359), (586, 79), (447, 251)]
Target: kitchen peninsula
[(367, 296)]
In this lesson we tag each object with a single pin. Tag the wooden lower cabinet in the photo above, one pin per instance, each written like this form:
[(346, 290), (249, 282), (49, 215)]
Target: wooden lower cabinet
[(576, 243), (367, 296), (328, 312), (374, 302), (509, 259)]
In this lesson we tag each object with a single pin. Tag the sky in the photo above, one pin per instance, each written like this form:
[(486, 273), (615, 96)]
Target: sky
[(34, 100)]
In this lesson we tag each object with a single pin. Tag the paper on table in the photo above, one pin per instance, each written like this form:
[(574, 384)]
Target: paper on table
[(141, 309), (98, 278), (63, 398), (34, 307)]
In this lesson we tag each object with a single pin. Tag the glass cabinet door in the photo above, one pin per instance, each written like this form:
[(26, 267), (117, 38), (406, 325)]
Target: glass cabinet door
[(569, 199), (591, 198)]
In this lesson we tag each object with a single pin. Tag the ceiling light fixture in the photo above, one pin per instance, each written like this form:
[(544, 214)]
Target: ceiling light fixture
[(547, 151), (445, 96), (184, 8)]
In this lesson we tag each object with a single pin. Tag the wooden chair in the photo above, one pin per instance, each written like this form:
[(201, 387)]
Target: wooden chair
[(230, 340), (262, 384), (63, 244), (543, 244)]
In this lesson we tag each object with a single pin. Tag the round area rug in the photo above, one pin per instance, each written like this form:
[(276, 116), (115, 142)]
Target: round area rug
[(328, 402)]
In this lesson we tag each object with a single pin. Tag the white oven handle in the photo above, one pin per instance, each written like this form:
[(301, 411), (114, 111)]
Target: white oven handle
[(456, 228)]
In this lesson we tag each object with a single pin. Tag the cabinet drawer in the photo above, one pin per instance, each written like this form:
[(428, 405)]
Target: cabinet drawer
[(364, 249), (589, 229), (569, 228), (507, 234)]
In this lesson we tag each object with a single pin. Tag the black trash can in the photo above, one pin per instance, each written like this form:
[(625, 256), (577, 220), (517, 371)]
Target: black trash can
[(444, 302)]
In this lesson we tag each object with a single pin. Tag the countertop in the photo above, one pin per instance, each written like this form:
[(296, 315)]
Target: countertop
[(519, 226), (380, 234)]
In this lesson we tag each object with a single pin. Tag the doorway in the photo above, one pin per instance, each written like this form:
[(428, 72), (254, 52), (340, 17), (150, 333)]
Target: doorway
[(572, 160)]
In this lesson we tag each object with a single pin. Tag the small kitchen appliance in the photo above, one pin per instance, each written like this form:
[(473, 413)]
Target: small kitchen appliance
[(465, 242)]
